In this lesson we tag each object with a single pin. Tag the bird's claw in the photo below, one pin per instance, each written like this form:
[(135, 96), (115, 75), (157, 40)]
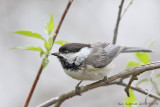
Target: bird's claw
[(106, 80), (77, 90)]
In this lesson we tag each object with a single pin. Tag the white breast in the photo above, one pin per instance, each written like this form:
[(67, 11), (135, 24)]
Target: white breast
[(90, 73)]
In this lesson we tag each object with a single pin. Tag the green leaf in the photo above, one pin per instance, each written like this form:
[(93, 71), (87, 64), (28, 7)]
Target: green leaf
[(30, 34), (49, 27), (62, 42), (129, 101), (45, 62), (71, 1), (50, 41), (28, 47), (132, 64), (158, 75), (143, 57), (142, 81), (46, 45), (41, 53)]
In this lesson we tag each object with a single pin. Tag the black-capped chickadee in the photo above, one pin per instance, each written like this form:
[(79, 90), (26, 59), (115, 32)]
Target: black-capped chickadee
[(90, 61)]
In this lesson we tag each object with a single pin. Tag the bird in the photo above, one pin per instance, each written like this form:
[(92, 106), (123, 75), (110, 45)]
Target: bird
[(90, 61)]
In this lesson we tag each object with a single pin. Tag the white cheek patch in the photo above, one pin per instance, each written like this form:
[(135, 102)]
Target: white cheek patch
[(69, 57), (77, 57), (82, 54)]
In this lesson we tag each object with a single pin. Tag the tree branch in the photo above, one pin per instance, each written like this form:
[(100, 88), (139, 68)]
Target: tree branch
[(117, 22), (134, 77), (41, 67), (140, 90), (125, 74), (61, 20)]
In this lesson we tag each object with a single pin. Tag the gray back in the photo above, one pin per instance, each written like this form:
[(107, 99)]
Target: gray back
[(102, 54)]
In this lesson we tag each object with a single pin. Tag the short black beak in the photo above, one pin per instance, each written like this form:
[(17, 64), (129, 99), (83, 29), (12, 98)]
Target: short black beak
[(55, 54)]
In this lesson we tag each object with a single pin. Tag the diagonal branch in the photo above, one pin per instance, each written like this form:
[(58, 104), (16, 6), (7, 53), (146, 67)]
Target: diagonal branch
[(125, 74), (117, 22), (41, 67), (61, 20), (140, 90)]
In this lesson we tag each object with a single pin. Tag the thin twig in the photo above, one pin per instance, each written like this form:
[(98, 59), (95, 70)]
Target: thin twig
[(125, 10), (61, 20), (132, 71), (41, 68), (141, 91), (33, 86), (134, 77), (117, 22)]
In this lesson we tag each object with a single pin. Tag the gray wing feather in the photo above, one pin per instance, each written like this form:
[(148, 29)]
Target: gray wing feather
[(112, 50), (102, 54)]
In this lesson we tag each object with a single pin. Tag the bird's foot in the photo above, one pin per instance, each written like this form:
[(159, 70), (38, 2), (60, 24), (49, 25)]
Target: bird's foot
[(77, 89), (106, 80)]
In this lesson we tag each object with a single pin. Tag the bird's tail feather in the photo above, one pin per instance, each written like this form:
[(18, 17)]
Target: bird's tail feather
[(134, 49)]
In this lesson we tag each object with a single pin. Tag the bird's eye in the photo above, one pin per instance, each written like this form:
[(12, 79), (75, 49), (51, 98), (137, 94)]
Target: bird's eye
[(66, 51)]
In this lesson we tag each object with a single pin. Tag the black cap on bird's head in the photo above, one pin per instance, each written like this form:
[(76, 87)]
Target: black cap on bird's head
[(70, 48)]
